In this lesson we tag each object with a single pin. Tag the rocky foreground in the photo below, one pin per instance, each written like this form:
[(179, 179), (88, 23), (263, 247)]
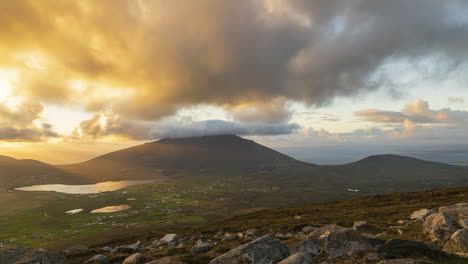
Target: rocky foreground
[(446, 228)]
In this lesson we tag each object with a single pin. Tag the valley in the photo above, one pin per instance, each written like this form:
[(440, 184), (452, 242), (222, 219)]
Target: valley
[(191, 191)]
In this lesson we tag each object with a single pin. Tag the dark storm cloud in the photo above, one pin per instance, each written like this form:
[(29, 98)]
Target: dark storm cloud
[(101, 125), (146, 59)]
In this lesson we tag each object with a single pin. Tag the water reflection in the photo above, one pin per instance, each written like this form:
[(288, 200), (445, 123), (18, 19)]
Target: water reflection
[(86, 189), (111, 209)]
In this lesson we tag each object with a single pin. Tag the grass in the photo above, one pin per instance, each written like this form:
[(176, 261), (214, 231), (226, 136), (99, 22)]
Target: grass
[(381, 211)]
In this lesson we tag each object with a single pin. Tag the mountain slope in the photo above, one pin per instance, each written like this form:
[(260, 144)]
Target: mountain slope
[(14, 173), (208, 153)]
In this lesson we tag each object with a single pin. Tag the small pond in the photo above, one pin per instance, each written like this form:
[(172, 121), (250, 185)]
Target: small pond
[(111, 209)]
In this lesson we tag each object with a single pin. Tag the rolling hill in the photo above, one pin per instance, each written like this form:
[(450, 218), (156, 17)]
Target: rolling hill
[(14, 173), (218, 157), (198, 154)]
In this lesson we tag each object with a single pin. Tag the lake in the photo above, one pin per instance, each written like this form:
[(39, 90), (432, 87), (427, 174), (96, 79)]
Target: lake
[(88, 188)]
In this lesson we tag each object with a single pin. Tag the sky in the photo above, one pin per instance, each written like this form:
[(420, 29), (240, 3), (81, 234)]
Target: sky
[(82, 78)]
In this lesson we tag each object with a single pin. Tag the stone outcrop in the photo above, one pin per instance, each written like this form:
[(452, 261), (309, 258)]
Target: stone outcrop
[(20, 255), (334, 241), (439, 227), (458, 243), (457, 211), (264, 250), (421, 215)]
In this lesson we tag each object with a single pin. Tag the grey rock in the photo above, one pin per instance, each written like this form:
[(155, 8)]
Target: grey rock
[(439, 227), (399, 248), (308, 229), (265, 250), (168, 239), (299, 258), (458, 243), (420, 215), (334, 241), (312, 247), (136, 258), (18, 255), (201, 247), (457, 211), (99, 258), (127, 248), (107, 249)]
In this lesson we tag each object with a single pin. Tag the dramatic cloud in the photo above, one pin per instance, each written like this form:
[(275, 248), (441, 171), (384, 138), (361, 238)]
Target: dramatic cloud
[(145, 59), (417, 111), (101, 125), (20, 122)]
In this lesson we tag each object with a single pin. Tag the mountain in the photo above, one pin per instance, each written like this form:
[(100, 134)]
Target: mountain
[(170, 155), (14, 173)]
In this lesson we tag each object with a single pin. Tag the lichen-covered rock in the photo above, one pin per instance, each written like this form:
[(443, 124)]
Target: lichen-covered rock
[(457, 211), (265, 250), (458, 243), (421, 215), (299, 258), (334, 242), (136, 258), (312, 247), (20, 255), (439, 227), (399, 248)]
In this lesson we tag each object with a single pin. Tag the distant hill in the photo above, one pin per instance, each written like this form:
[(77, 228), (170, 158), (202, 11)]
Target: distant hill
[(169, 155), (14, 173)]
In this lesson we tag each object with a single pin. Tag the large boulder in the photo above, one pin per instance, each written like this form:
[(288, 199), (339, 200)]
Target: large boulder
[(399, 248), (265, 250), (458, 243), (136, 258), (20, 255), (457, 211), (334, 241), (420, 215), (299, 258), (439, 227)]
